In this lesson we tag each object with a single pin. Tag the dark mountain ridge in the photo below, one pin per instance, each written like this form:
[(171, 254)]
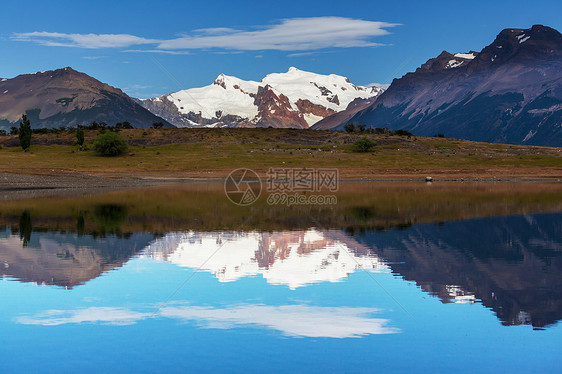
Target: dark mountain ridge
[(66, 97), (510, 92)]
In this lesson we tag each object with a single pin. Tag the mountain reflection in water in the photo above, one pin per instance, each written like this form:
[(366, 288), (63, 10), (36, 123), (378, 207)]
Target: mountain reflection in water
[(510, 264)]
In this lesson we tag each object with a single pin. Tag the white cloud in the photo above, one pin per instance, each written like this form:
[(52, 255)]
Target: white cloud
[(216, 31), (384, 86), (290, 320), (295, 34), (93, 57), (95, 315), (92, 41), (301, 54), (158, 51)]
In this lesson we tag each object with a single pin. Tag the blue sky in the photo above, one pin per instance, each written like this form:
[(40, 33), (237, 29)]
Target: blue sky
[(187, 44)]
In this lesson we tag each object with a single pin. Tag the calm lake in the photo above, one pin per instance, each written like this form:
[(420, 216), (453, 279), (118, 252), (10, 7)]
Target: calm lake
[(396, 277)]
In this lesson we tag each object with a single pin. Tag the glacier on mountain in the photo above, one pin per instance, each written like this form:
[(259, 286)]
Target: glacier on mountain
[(293, 99)]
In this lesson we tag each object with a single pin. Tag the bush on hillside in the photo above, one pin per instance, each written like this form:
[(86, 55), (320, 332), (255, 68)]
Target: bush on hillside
[(364, 145), (350, 127), (110, 144)]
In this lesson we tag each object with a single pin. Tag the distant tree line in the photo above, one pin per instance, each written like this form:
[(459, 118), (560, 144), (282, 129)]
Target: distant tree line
[(108, 142), (363, 129), (99, 126)]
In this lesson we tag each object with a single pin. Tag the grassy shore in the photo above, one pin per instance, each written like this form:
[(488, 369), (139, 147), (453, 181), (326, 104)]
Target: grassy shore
[(213, 153)]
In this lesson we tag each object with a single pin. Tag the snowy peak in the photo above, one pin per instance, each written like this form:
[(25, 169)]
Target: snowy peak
[(446, 61), (228, 82), (296, 99), (221, 81)]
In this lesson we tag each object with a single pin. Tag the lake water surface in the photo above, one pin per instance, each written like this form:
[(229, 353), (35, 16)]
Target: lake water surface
[(396, 277)]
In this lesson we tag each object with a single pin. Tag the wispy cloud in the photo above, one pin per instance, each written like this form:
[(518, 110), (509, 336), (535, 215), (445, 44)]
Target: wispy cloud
[(294, 34), (301, 54), (384, 86), (92, 41), (290, 320), (158, 51), (94, 315), (93, 57)]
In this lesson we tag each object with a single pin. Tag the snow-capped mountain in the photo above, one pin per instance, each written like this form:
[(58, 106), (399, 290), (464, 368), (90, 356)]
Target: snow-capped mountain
[(295, 99)]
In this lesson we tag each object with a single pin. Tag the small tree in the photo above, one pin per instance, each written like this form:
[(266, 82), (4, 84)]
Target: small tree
[(382, 130), (110, 144), (363, 145), (80, 138), (350, 127), (361, 127), (25, 133), (157, 125), (401, 132)]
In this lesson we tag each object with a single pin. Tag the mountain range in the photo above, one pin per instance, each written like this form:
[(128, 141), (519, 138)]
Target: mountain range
[(295, 99), (66, 97), (510, 92)]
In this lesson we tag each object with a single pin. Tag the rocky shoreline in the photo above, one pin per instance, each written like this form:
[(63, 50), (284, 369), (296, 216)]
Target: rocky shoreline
[(24, 186)]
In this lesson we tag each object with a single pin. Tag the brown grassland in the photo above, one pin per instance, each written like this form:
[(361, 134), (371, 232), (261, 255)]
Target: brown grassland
[(213, 153)]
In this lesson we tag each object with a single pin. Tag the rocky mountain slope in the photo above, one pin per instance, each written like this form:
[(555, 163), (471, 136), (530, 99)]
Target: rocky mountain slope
[(66, 97), (295, 99), (510, 92)]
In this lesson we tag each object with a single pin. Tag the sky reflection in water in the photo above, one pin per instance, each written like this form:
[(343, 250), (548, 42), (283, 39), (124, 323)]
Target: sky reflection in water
[(429, 296)]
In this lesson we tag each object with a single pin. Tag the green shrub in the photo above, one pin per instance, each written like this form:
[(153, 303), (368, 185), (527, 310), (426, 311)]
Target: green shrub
[(401, 132), (110, 144), (363, 145)]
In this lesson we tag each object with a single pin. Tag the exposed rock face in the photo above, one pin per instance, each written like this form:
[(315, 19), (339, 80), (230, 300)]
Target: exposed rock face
[(276, 110), (510, 92), (305, 106), (65, 97), (296, 99)]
